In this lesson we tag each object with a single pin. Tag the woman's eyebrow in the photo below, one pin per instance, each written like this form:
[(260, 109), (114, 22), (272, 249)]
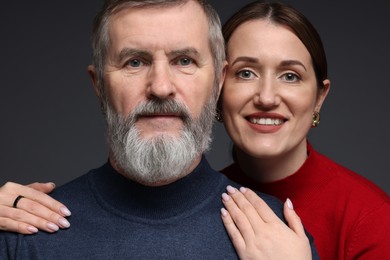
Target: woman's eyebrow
[(287, 63), (245, 59)]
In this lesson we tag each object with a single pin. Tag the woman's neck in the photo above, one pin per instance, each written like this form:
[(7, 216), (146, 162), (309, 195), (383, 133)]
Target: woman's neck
[(270, 169)]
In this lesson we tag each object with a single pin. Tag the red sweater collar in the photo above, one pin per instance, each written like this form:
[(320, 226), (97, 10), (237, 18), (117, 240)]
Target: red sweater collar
[(298, 187)]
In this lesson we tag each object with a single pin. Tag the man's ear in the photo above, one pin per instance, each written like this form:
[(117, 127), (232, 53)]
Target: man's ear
[(92, 74), (222, 78)]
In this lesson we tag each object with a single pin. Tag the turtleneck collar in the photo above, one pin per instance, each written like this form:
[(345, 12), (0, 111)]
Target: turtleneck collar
[(130, 199), (309, 178)]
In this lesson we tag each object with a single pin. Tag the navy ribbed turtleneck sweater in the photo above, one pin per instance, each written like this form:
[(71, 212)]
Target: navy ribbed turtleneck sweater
[(114, 218)]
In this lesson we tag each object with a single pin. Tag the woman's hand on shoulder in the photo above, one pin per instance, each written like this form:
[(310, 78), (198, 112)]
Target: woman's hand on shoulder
[(257, 232), (33, 210)]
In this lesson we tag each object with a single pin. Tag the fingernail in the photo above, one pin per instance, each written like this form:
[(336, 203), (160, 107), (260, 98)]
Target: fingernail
[(224, 212), (243, 189), (230, 189), (52, 227), (52, 184), (64, 223), (225, 197), (65, 211), (289, 204), (32, 229)]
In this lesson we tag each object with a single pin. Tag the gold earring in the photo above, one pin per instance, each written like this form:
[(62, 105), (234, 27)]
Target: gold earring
[(218, 115), (316, 119)]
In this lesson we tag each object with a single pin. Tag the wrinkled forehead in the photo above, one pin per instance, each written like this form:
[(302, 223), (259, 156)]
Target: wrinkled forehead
[(169, 28), (188, 18)]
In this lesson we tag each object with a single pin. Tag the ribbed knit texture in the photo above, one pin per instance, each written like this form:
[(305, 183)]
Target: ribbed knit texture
[(114, 218), (348, 215)]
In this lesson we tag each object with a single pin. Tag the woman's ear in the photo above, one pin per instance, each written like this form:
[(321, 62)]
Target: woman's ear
[(323, 92)]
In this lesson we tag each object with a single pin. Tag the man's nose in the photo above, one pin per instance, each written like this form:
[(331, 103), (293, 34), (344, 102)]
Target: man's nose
[(160, 81)]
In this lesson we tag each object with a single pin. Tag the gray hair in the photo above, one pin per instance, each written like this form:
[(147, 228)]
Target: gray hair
[(101, 40)]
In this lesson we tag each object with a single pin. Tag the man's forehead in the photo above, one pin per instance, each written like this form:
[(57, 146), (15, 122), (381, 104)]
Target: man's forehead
[(184, 18), (153, 44), (190, 8)]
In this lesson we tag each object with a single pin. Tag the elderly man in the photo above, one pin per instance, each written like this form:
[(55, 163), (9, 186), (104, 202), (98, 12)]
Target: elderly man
[(157, 70)]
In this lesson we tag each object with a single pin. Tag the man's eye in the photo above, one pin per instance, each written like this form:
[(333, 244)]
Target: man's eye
[(185, 61), (134, 63), (245, 74)]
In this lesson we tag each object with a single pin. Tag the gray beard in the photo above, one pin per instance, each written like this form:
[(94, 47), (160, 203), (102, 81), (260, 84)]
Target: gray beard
[(163, 158)]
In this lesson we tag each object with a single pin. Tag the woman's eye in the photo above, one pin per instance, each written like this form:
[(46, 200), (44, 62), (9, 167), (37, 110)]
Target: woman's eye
[(185, 61), (245, 74), (291, 77)]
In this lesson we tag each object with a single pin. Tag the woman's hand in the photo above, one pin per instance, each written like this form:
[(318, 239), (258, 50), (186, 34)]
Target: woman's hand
[(35, 210), (257, 233)]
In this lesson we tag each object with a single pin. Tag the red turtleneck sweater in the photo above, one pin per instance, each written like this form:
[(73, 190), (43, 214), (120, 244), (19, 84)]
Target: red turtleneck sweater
[(348, 215)]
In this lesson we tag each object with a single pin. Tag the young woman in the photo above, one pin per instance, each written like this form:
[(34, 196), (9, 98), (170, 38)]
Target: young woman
[(274, 88)]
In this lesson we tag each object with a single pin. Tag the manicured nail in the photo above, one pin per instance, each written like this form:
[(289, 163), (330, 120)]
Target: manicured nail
[(289, 204), (64, 223), (230, 189), (32, 229), (52, 227), (224, 212), (225, 197), (243, 189), (65, 211)]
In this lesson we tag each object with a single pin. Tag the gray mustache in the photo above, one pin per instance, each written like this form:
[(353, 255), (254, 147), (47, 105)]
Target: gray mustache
[(162, 106)]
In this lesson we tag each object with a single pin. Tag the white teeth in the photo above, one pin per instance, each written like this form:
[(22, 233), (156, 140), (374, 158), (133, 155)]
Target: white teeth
[(266, 121)]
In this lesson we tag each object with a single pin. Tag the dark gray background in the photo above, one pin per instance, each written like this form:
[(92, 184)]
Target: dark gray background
[(51, 128)]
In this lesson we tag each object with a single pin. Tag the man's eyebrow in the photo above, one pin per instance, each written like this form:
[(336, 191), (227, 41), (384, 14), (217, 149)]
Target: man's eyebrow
[(130, 52), (184, 52), (125, 53)]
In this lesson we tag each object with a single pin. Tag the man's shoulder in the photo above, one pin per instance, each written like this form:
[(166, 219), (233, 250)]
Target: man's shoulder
[(274, 203), (72, 187), (77, 188)]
